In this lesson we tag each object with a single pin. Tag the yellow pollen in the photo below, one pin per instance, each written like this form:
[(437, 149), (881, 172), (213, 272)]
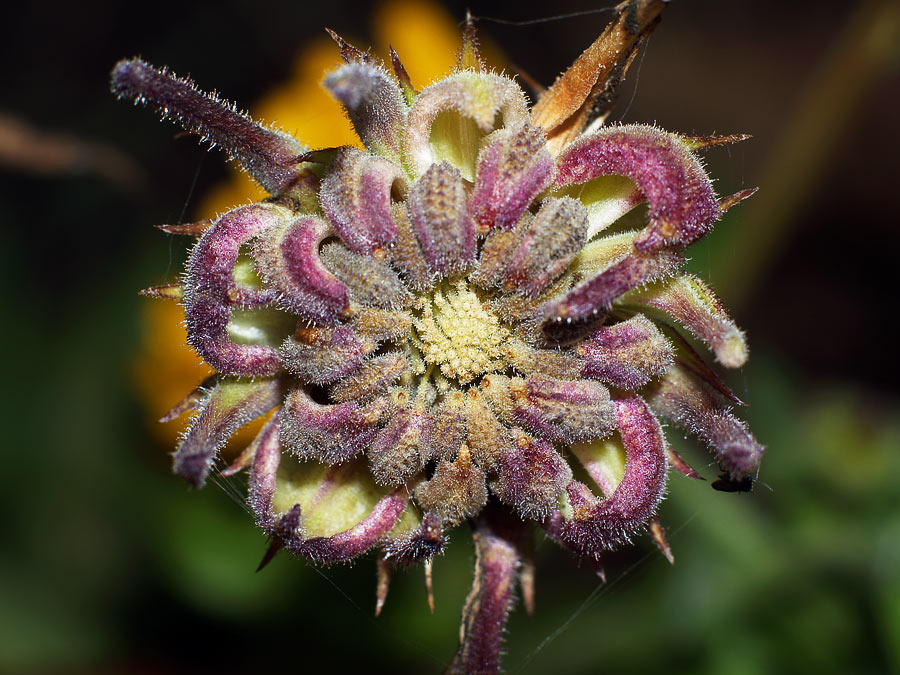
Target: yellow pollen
[(459, 335)]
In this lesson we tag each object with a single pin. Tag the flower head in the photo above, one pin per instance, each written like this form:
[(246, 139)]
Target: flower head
[(450, 320)]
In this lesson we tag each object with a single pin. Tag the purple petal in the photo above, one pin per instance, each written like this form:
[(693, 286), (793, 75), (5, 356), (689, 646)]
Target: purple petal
[(598, 526), (291, 263), (398, 451), (356, 197), (211, 292), (532, 476), (374, 104), (437, 210), (513, 169), (266, 154), (693, 304), (586, 303), (683, 204), (627, 355), (680, 397), (499, 540), (419, 545), (329, 433), (324, 354), (229, 406)]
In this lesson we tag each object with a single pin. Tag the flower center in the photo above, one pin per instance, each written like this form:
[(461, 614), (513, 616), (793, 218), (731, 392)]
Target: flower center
[(458, 334)]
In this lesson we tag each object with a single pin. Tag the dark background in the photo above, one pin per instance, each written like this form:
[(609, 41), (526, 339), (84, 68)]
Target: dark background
[(110, 564)]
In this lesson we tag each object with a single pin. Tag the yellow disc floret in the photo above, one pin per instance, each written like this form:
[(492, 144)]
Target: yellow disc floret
[(458, 334)]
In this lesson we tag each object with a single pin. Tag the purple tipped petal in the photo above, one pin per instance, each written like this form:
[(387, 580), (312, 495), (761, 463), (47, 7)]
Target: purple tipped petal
[(339, 487), (682, 398), (562, 411), (598, 526), (498, 544), (683, 204), (374, 104), (513, 169), (266, 154), (532, 476), (321, 355), (228, 407), (329, 433), (371, 282), (627, 355), (487, 439), (587, 302), (449, 427), (211, 292), (437, 210), (547, 247), (372, 379), (398, 451), (692, 304), (356, 197)]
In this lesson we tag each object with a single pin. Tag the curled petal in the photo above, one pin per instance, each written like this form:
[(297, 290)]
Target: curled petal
[(229, 406), (398, 451), (326, 514), (374, 103), (324, 354), (513, 168), (456, 491), (356, 196), (418, 545), (606, 198), (290, 254), (437, 210), (547, 247), (373, 379), (597, 526), (449, 117), (267, 155), (587, 303), (562, 411), (627, 355), (328, 433), (211, 292), (558, 364), (692, 304), (407, 254), (682, 398), (682, 202), (380, 324), (532, 476), (370, 282)]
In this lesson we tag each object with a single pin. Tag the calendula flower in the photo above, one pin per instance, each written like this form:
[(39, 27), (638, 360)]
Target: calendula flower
[(468, 318)]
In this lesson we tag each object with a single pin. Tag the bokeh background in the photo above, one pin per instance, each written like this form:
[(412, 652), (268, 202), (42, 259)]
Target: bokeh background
[(108, 564)]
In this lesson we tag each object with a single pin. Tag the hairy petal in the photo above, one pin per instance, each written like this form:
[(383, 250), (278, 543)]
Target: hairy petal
[(682, 201), (267, 155), (229, 406), (680, 397), (692, 303), (499, 542), (418, 545), (601, 525), (320, 355), (374, 103), (449, 118), (211, 292), (356, 197), (588, 302), (398, 451), (547, 247), (437, 209), (457, 490), (513, 168), (328, 433), (371, 282), (532, 476), (627, 355), (290, 262)]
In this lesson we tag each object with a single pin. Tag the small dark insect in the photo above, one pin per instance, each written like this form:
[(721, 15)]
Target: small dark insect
[(727, 484)]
